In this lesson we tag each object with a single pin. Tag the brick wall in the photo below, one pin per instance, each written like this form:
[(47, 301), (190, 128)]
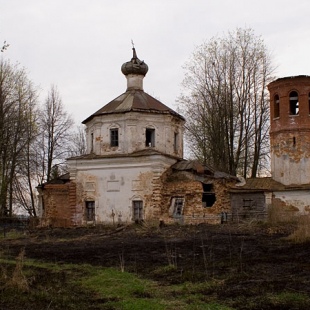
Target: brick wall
[(184, 184), (59, 205), (294, 144), (289, 132)]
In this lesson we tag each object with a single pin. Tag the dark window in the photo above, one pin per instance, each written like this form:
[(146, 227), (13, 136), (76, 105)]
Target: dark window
[(207, 187), (177, 204), (114, 137), (90, 211), (276, 109), (150, 137), (137, 208), (309, 102), (91, 142), (176, 142), (208, 195), (294, 104), (247, 203)]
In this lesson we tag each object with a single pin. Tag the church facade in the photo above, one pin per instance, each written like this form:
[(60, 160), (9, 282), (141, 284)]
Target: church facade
[(131, 141)]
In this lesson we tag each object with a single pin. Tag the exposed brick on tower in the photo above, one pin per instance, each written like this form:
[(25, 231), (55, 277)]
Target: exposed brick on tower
[(290, 129)]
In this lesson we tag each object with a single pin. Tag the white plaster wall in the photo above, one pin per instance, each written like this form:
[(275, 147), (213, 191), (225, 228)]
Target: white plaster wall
[(299, 199), (132, 128), (113, 183), (268, 199), (134, 81), (288, 172)]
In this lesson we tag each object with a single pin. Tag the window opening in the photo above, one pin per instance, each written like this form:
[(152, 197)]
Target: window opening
[(178, 205), (137, 207), (150, 137), (247, 203), (208, 195), (92, 142), (176, 142), (114, 137), (294, 141), (276, 106), (90, 211), (309, 102), (294, 104)]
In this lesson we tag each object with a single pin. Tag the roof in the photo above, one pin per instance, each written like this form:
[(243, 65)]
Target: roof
[(62, 179), (190, 165), (199, 168), (266, 184), (145, 152), (288, 78), (134, 100), (135, 65)]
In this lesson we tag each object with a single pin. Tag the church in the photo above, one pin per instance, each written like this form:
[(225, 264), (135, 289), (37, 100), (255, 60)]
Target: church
[(134, 168)]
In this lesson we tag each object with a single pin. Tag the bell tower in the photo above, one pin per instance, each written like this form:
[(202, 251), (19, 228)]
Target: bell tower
[(290, 129)]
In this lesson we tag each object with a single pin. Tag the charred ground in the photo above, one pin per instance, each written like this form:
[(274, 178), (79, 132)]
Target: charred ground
[(250, 260)]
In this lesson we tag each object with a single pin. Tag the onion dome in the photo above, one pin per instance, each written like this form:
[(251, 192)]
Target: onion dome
[(134, 66)]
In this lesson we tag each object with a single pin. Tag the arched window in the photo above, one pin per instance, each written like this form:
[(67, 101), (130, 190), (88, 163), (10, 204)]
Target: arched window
[(276, 110), (294, 104)]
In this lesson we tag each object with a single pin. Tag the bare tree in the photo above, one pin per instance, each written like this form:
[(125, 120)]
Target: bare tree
[(28, 175), (17, 99), (56, 127), (78, 142), (4, 47), (226, 104)]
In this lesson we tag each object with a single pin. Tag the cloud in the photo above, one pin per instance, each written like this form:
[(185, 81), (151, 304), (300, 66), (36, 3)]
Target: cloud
[(80, 45)]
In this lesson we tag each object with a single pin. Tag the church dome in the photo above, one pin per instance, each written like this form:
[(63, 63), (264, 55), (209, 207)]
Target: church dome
[(134, 66)]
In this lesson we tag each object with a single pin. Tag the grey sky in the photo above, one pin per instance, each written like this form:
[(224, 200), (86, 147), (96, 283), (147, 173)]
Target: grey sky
[(80, 45)]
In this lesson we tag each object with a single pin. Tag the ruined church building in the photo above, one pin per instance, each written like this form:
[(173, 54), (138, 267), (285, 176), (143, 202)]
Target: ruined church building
[(134, 168)]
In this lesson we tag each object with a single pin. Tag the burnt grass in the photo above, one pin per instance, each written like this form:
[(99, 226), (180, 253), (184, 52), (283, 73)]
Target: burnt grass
[(250, 260)]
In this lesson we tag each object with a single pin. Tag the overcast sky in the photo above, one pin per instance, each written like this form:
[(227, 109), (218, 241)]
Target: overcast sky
[(80, 45)]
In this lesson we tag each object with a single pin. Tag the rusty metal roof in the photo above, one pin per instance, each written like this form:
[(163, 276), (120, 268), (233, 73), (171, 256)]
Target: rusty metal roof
[(65, 178), (267, 184), (193, 165), (261, 184), (134, 100), (202, 169)]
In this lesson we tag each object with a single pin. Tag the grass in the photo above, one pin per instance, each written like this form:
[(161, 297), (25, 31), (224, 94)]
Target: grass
[(25, 284), (122, 289), (290, 300), (31, 284), (289, 216), (69, 286), (302, 232), (11, 234)]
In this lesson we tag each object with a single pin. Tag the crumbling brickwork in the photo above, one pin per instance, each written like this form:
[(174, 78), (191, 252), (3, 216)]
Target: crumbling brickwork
[(297, 147), (185, 185), (59, 205), (290, 130)]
